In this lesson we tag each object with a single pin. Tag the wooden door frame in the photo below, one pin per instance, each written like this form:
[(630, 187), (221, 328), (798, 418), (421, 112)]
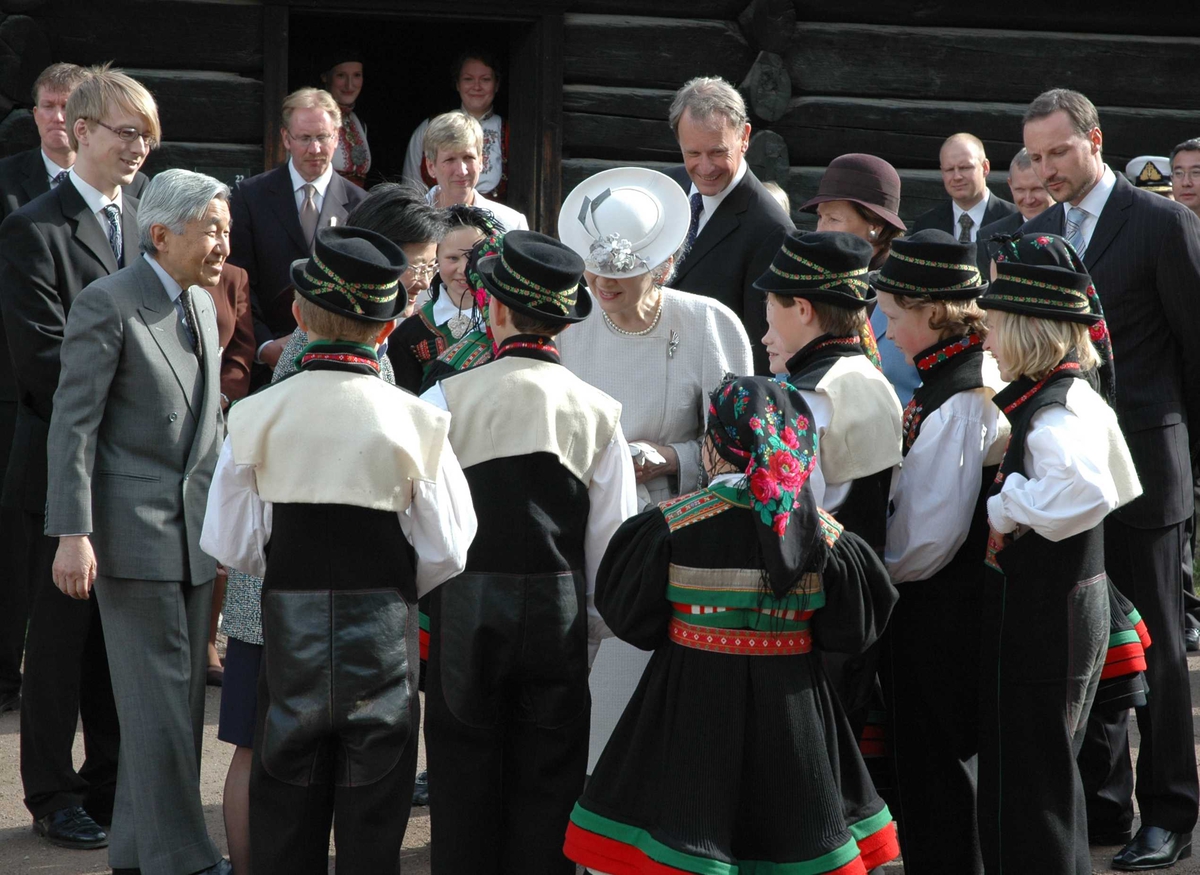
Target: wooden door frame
[(534, 109)]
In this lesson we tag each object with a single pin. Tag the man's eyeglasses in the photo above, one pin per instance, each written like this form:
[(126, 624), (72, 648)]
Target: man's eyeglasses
[(322, 140), (128, 135), (422, 271), (1191, 173)]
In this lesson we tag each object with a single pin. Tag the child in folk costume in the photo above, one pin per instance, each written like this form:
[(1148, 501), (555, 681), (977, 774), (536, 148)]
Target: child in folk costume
[(354, 487), (734, 755), (953, 440), (1045, 602), (817, 294), (512, 638)]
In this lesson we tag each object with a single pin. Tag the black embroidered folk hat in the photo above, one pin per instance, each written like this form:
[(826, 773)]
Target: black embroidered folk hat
[(828, 266), (353, 272), (1040, 275), (536, 275), (866, 180), (931, 264)]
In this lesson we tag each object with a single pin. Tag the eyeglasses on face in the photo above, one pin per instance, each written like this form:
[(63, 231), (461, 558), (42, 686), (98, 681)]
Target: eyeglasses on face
[(322, 140), (422, 271), (1191, 173), (128, 135)]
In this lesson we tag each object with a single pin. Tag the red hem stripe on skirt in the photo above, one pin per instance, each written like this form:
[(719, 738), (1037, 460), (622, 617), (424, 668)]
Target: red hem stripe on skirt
[(880, 847)]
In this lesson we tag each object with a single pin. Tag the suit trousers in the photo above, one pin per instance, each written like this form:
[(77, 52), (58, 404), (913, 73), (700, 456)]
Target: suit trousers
[(14, 578), (1146, 565), (66, 680), (158, 651)]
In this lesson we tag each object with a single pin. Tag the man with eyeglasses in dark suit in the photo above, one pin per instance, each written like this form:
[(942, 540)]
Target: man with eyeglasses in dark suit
[(277, 213)]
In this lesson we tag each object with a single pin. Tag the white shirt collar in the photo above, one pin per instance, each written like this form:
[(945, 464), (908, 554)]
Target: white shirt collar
[(174, 290), (976, 213), (1094, 201), (320, 183), (52, 169), (92, 197), (711, 203)]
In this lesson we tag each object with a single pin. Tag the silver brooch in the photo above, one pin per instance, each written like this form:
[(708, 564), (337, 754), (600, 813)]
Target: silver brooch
[(672, 344)]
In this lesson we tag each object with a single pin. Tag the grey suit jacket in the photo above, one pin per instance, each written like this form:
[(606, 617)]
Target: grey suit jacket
[(136, 429)]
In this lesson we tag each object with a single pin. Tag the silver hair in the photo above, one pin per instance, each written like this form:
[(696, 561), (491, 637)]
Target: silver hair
[(174, 198), (706, 97), (665, 272), (1021, 161)]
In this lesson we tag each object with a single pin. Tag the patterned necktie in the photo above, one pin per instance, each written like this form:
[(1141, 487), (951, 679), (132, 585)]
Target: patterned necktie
[(59, 177), (965, 224), (113, 213), (697, 201), (308, 213), (1075, 219), (189, 321)]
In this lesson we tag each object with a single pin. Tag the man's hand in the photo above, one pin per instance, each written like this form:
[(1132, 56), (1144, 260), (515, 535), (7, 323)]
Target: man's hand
[(271, 352), (648, 471), (75, 566)]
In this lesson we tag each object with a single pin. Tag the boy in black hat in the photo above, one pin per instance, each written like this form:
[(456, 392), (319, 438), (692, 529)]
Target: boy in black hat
[(356, 490), (512, 638), (953, 441), (817, 295)]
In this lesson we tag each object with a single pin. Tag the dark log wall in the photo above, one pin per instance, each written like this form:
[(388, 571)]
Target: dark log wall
[(201, 59), (858, 76)]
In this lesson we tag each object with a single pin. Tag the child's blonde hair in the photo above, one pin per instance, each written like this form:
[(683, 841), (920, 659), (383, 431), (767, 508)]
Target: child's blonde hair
[(330, 326), (948, 318), (1034, 346)]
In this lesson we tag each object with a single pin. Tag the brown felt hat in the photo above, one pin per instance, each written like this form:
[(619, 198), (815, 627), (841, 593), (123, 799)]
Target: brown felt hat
[(862, 179)]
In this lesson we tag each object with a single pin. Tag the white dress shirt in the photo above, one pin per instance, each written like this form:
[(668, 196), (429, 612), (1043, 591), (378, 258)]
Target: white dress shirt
[(711, 203), (321, 184), (97, 201), (1079, 470), (976, 213), (940, 480), (52, 169), (440, 522), (1092, 204)]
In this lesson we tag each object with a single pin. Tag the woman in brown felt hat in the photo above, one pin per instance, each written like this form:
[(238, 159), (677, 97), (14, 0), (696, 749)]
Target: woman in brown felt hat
[(860, 194)]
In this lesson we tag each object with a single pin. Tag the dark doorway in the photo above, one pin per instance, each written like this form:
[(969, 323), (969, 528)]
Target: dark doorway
[(409, 48), (406, 71)]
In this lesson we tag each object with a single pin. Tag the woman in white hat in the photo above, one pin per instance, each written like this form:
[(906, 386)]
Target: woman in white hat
[(658, 351)]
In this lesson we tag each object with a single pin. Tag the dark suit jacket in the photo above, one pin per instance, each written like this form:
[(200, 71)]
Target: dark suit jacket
[(49, 250), (941, 217), (1144, 258), (266, 238), (22, 178), (733, 249), (1008, 225)]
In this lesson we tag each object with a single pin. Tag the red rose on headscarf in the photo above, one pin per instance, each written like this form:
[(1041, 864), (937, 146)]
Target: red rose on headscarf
[(788, 436), (779, 524), (755, 423), (786, 469), (763, 485)]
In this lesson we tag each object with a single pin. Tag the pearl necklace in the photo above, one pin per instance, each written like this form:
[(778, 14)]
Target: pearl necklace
[(644, 331)]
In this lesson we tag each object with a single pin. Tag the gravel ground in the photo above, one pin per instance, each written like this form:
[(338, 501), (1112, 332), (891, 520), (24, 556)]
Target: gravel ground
[(22, 852)]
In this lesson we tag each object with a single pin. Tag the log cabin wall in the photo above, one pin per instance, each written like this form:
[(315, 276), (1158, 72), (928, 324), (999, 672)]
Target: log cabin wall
[(201, 59), (823, 79)]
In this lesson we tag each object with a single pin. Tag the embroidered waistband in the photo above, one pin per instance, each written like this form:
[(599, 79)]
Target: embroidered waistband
[(739, 642)]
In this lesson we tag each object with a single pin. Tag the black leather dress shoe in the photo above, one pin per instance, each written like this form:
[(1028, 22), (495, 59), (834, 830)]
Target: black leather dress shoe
[(421, 788), (10, 701), (1153, 848), (1191, 640), (71, 828)]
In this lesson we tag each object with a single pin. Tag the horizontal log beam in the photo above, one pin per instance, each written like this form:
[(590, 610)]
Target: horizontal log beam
[(969, 64), (200, 105), (652, 52), (172, 34), (719, 9), (647, 103), (228, 163), (609, 136)]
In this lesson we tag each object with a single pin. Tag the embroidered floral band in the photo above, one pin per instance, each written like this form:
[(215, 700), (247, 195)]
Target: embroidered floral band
[(330, 282)]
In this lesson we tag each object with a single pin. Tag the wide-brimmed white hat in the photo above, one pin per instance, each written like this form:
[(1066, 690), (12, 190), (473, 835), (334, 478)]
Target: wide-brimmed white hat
[(625, 221)]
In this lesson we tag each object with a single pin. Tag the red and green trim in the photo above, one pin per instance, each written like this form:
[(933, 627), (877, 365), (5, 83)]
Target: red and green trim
[(692, 508), (1139, 625), (831, 529), (423, 634), (740, 642), (1125, 655)]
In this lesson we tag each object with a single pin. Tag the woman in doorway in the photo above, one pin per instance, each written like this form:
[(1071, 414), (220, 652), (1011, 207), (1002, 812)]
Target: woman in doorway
[(343, 78), (658, 351), (477, 81)]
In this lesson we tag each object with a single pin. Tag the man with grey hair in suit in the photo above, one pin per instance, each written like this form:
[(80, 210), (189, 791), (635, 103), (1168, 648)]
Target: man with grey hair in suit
[(133, 443)]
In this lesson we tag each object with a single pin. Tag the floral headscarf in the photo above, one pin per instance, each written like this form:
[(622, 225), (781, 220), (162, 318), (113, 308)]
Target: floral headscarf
[(1051, 250), (764, 428)]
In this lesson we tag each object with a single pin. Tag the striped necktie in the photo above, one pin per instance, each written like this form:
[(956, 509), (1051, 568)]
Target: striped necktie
[(697, 202), (113, 213), (1075, 219)]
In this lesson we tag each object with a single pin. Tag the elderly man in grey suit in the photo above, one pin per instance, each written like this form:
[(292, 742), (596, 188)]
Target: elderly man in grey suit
[(133, 443)]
